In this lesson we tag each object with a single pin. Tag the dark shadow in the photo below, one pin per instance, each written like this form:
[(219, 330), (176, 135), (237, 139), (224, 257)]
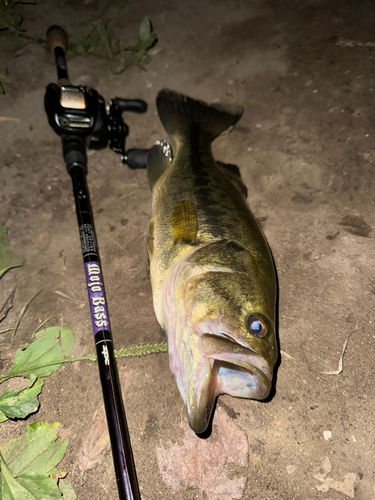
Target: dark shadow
[(278, 362)]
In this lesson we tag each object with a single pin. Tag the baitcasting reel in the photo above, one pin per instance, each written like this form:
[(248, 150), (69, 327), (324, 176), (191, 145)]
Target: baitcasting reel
[(81, 116)]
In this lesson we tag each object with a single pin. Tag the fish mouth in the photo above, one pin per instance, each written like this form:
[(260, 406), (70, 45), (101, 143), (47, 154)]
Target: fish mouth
[(226, 367), (240, 371)]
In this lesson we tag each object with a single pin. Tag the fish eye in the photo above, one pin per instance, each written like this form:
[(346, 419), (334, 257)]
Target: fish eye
[(257, 326)]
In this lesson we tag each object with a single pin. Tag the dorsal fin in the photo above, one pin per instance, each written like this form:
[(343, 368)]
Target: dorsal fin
[(158, 161), (232, 172)]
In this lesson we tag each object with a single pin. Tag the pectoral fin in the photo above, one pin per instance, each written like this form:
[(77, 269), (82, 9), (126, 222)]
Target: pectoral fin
[(184, 222)]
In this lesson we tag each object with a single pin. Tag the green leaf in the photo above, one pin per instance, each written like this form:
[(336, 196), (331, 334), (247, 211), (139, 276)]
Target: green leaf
[(91, 41), (27, 461), (67, 491), (44, 355), (123, 61), (146, 60), (8, 259), (38, 451), (97, 36), (22, 403), (4, 79), (9, 21), (145, 29), (146, 37), (116, 49), (136, 55), (87, 43), (28, 487), (104, 37)]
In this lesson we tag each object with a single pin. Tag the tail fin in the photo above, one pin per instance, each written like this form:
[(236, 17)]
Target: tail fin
[(179, 114)]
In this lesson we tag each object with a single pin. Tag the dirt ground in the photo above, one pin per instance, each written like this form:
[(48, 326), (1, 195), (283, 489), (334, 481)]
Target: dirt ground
[(306, 150)]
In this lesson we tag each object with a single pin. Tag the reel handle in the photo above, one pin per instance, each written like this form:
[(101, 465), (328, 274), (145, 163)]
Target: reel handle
[(131, 105), (136, 158)]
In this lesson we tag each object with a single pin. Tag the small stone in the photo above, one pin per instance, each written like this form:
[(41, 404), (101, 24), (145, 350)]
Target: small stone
[(46, 216), (42, 240), (287, 111), (290, 469)]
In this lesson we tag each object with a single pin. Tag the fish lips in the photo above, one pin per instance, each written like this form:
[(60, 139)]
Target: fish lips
[(226, 368), (239, 370)]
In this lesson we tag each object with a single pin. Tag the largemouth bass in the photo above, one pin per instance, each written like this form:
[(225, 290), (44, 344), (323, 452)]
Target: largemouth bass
[(212, 274)]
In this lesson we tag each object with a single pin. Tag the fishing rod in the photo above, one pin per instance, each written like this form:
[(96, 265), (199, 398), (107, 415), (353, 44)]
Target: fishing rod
[(80, 116)]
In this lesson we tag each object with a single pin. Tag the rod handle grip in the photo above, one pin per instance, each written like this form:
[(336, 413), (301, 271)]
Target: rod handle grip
[(57, 37)]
